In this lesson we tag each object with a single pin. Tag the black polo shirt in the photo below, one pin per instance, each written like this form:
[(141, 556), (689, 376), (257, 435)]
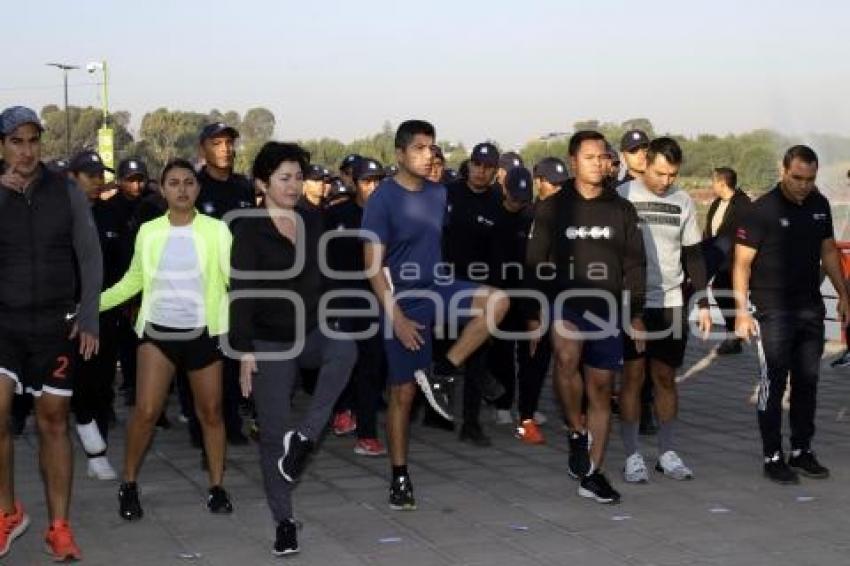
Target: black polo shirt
[(217, 198), (470, 229), (787, 236)]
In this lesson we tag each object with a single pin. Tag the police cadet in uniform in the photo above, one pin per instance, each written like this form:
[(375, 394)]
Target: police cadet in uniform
[(346, 169), (314, 188), (37, 317), (507, 161), (550, 174), (222, 191), (345, 254), (469, 244), (633, 146), (784, 239)]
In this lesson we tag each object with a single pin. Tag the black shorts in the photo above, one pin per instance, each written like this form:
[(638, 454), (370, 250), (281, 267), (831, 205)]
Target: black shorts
[(36, 353), (189, 350), (668, 347)]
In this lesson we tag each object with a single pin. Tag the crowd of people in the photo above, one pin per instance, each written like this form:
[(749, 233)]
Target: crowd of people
[(397, 285)]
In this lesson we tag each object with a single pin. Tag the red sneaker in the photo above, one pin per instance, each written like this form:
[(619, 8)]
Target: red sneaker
[(369, 447), (60, 542), (529, 432), (12, 525), (344, 423)]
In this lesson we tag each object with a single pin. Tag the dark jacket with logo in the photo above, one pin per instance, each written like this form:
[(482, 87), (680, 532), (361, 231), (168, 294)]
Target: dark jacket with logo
[(217, 198), (588, 244), (717, 250), (46, 232)]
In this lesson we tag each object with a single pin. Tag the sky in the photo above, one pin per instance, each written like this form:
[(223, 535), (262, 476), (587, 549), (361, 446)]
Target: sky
[(507, 71)]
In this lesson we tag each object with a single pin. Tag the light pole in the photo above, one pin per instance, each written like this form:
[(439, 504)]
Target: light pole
[(105, 135), (65, 68)]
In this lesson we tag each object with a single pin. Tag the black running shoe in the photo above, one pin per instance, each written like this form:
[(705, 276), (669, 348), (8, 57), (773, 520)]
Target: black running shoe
[(129, 506), (433, 420), (776, 470), (807, 465), (401, 494), (579, 462), (472, 434), (296, 448), (218, 501), (595, 486), (438, 390), (491, 388), (285, 541)]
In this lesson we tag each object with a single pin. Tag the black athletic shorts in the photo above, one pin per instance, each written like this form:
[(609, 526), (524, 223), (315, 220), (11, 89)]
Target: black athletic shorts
[(36, 353), (189, 350), (668, 347)]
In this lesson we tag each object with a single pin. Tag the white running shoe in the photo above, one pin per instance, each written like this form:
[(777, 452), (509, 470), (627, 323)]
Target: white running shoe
[(503, 417), (635, 470), (539, 418), (672, 466), (101, 469), (90, 437)]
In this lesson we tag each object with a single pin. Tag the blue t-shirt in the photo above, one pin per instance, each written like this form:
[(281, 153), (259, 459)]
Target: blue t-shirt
[(409, 224)]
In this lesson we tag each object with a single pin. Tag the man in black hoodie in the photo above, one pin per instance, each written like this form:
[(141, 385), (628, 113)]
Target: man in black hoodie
[(587, 251)]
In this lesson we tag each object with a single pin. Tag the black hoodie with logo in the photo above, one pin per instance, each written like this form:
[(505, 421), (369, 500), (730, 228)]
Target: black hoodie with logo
[(588, 244)]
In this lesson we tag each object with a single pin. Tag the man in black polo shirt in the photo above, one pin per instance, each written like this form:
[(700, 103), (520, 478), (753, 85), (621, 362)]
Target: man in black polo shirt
[(222, 191), (785, 238)]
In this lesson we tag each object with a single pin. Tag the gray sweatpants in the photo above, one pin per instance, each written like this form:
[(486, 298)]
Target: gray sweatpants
[(272, 391)]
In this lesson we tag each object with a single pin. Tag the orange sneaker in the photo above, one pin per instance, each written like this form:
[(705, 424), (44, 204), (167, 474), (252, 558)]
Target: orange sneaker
[(12, 525), (60, 542), (529, 432)]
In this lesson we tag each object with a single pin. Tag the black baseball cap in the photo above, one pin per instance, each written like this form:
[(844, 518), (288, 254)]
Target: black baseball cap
[(349, 160), (485, 153), (366, 168), (131, 167), (519, 184), (89, 162), (449, 175), (509, 160), (633, 139), (317, 173), (338, 189), (58, 165), (553, 170), (390, 170), (218, 128)]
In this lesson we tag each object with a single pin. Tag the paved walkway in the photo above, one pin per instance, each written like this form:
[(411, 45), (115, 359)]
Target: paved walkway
[(507, 505)]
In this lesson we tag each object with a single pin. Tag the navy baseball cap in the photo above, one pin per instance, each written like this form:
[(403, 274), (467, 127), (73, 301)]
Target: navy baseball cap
[(16, 116), (633, 139), (132, 167), (391, 170), (349, 160), (485, 153), (88, 162), (367, 168), (317, 173), (58, 165), (449, 175), (509, 160), (519, 184), (218, 128), (553, 170), (338, 189)]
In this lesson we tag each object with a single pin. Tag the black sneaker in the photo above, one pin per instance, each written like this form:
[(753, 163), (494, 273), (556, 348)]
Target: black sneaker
[(401, 494), (285, 540), (437, 390), (807, 465), (296, 447), (775, 469), (579, 462), (163, 422), (842, 361), (729, 346), (595, 486), (433, 420), (218, 501), (237, 438), (129, 506), (490, 387), (472, 433)]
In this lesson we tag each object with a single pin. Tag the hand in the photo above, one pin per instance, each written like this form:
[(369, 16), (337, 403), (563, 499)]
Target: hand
[(705, 322), (639, 335), (533, 343), (843, 309), (247, 369), (13, 180), (89, 344), (407, 332), (745, 326)]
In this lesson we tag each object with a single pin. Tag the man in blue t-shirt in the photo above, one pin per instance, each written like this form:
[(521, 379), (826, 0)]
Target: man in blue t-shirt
[(402, 224)]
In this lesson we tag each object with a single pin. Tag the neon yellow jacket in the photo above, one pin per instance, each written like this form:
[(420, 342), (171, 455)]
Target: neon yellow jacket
[(212, 241)]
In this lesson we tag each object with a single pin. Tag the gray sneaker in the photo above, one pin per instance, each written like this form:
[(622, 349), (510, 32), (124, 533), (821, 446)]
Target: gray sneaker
[(672, 466), (635, 470)]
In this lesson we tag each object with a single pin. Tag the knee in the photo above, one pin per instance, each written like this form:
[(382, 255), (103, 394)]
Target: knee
[(52, 423), (209, 414), (146, 414), (403, 395)]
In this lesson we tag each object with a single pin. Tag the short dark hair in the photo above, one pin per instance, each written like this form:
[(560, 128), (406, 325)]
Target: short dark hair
[(580, 137), (802, 152), (410, 128), (176, 164), (728, 175), (666, 147), (273, 153)]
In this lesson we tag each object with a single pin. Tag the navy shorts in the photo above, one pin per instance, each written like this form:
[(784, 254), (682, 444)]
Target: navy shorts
[(600, 349), (446, 305)]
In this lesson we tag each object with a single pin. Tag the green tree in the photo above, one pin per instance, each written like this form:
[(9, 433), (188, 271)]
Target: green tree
[(85, 122)]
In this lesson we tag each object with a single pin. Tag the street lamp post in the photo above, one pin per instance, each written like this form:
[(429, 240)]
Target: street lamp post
[(105, 135), (65, 68)]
